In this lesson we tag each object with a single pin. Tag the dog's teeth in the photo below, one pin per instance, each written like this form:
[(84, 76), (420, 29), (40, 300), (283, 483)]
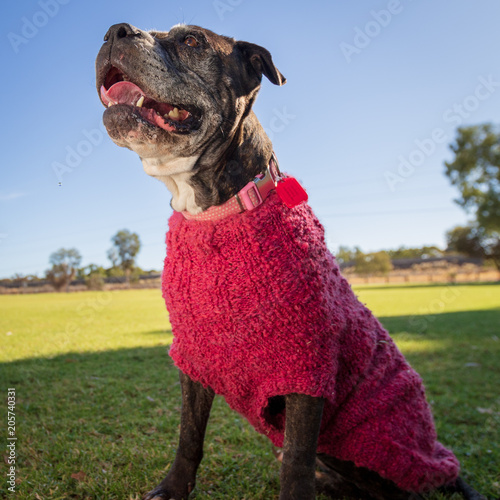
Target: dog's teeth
[(140, 102), (174, 114), (110, 104)]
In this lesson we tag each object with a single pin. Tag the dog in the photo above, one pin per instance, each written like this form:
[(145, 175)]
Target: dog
[(246, 263)]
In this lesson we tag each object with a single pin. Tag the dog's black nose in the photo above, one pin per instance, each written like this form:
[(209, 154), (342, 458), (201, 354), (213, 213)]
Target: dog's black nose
[(121, 30)]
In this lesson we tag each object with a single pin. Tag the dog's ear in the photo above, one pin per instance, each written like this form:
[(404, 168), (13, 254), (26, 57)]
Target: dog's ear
[(261, 61)]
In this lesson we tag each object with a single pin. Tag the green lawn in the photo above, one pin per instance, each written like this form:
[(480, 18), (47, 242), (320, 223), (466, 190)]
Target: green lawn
[(97, 397)]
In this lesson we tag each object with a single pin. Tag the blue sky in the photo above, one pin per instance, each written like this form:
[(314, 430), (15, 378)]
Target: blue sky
[(375, 92)]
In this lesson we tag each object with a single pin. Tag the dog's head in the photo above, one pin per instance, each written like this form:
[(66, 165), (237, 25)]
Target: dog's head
[(175, 96)]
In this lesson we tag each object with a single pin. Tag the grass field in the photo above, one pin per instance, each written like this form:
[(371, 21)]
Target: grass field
[(97, 397)]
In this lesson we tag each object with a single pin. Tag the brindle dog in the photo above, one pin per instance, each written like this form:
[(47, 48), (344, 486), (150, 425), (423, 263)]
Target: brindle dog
[(188, 114)]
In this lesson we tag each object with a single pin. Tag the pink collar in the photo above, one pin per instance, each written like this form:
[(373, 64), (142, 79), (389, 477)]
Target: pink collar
[(250, 197)]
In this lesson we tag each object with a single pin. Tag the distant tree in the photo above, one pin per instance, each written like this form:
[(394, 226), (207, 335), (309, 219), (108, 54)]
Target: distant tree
[(424, 252), (475, 171), (93, 275), (115, 272), (372, 263), (475, 241), (83, 272), (113, 257), (345, 254), (20, 280), (123, 253), (64, 266)]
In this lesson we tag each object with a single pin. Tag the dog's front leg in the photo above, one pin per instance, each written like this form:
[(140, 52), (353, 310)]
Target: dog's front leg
[(196, 405), (303, 419)]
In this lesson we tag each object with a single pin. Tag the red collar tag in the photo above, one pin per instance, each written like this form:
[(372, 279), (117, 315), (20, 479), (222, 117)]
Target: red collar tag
[(291, 192)]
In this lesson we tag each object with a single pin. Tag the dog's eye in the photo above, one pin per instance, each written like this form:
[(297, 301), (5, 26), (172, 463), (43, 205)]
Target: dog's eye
[(191, 41)]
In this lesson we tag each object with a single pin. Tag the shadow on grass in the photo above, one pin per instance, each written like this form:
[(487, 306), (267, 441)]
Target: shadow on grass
[(453, 325), (158, 332), (407, 286), (105, 424)]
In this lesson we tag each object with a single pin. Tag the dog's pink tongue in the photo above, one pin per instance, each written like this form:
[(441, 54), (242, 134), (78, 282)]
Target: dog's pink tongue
[(121, 93)]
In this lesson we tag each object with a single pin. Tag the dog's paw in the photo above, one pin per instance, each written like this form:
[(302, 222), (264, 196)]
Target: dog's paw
[(159, 494), (162, 492)]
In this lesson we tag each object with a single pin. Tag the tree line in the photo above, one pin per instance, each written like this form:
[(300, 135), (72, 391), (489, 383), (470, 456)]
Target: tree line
[(474, 171), (66, 263)]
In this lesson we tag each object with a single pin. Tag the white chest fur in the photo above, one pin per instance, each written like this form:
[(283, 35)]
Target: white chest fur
[(175, 174)]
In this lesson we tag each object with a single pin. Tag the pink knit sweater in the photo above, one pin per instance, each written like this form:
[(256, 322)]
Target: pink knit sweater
[(258, 309)]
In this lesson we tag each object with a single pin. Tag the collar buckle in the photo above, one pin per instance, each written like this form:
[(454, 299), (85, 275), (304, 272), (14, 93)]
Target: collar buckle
[(256, 191), (250, 197)]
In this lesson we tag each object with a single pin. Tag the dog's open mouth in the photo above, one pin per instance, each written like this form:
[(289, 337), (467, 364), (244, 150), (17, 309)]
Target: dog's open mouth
[(119, 90)]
